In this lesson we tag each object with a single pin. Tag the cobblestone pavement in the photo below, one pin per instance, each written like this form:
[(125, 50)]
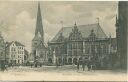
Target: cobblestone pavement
[(68, 73)]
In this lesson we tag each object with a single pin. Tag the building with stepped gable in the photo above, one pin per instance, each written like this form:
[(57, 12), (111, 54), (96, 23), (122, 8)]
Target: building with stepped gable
[(73, 44)]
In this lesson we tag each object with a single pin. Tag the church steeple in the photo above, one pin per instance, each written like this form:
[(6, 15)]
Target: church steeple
[(39, 26)]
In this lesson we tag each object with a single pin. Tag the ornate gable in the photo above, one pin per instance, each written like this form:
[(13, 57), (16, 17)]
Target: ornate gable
[(92, 36), (60, 38), (75, 34)]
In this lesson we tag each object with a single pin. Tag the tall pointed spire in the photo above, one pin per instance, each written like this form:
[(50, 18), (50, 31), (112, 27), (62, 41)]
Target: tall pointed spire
[(39, 25)]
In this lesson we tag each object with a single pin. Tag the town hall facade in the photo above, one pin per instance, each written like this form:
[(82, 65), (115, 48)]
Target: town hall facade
[(88, 42)]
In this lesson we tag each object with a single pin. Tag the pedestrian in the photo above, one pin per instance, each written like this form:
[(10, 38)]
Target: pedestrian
[(56, 63), (40, 65), (78, 65), (31, 64), (93, 67), (83, 65), (6, 66), (2, 67), (88, 65)]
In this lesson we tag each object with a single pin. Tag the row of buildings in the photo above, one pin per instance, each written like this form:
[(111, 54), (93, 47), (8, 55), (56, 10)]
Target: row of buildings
[(88, 42), (12, 52), (72, 44)]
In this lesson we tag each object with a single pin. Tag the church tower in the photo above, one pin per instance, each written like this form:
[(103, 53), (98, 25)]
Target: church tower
[(39, 26), (38, 47), (121, 32)]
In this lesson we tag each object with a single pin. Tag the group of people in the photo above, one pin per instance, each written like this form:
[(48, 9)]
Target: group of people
[(90, 65)]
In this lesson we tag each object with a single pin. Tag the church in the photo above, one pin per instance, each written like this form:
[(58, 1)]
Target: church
[(72, 44), (39, 49)]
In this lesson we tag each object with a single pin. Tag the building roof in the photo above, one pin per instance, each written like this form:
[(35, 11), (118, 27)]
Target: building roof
[(8, 43), (84, 29), (16, 43)]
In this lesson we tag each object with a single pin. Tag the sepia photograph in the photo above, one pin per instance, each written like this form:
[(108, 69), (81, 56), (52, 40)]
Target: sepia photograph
[(63, 40)]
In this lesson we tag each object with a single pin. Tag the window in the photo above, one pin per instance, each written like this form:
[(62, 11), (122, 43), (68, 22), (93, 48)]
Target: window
[(14, 49), (80, 46), (11, 49), (75, 45), (87, 49), (70, 53), (18, 61), (75, 52), (70, 46)]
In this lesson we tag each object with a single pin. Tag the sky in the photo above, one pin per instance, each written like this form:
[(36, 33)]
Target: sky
[(18, 18)]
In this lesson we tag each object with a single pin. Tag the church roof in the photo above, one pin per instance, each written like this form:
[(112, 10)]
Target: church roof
[(84, 29)]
